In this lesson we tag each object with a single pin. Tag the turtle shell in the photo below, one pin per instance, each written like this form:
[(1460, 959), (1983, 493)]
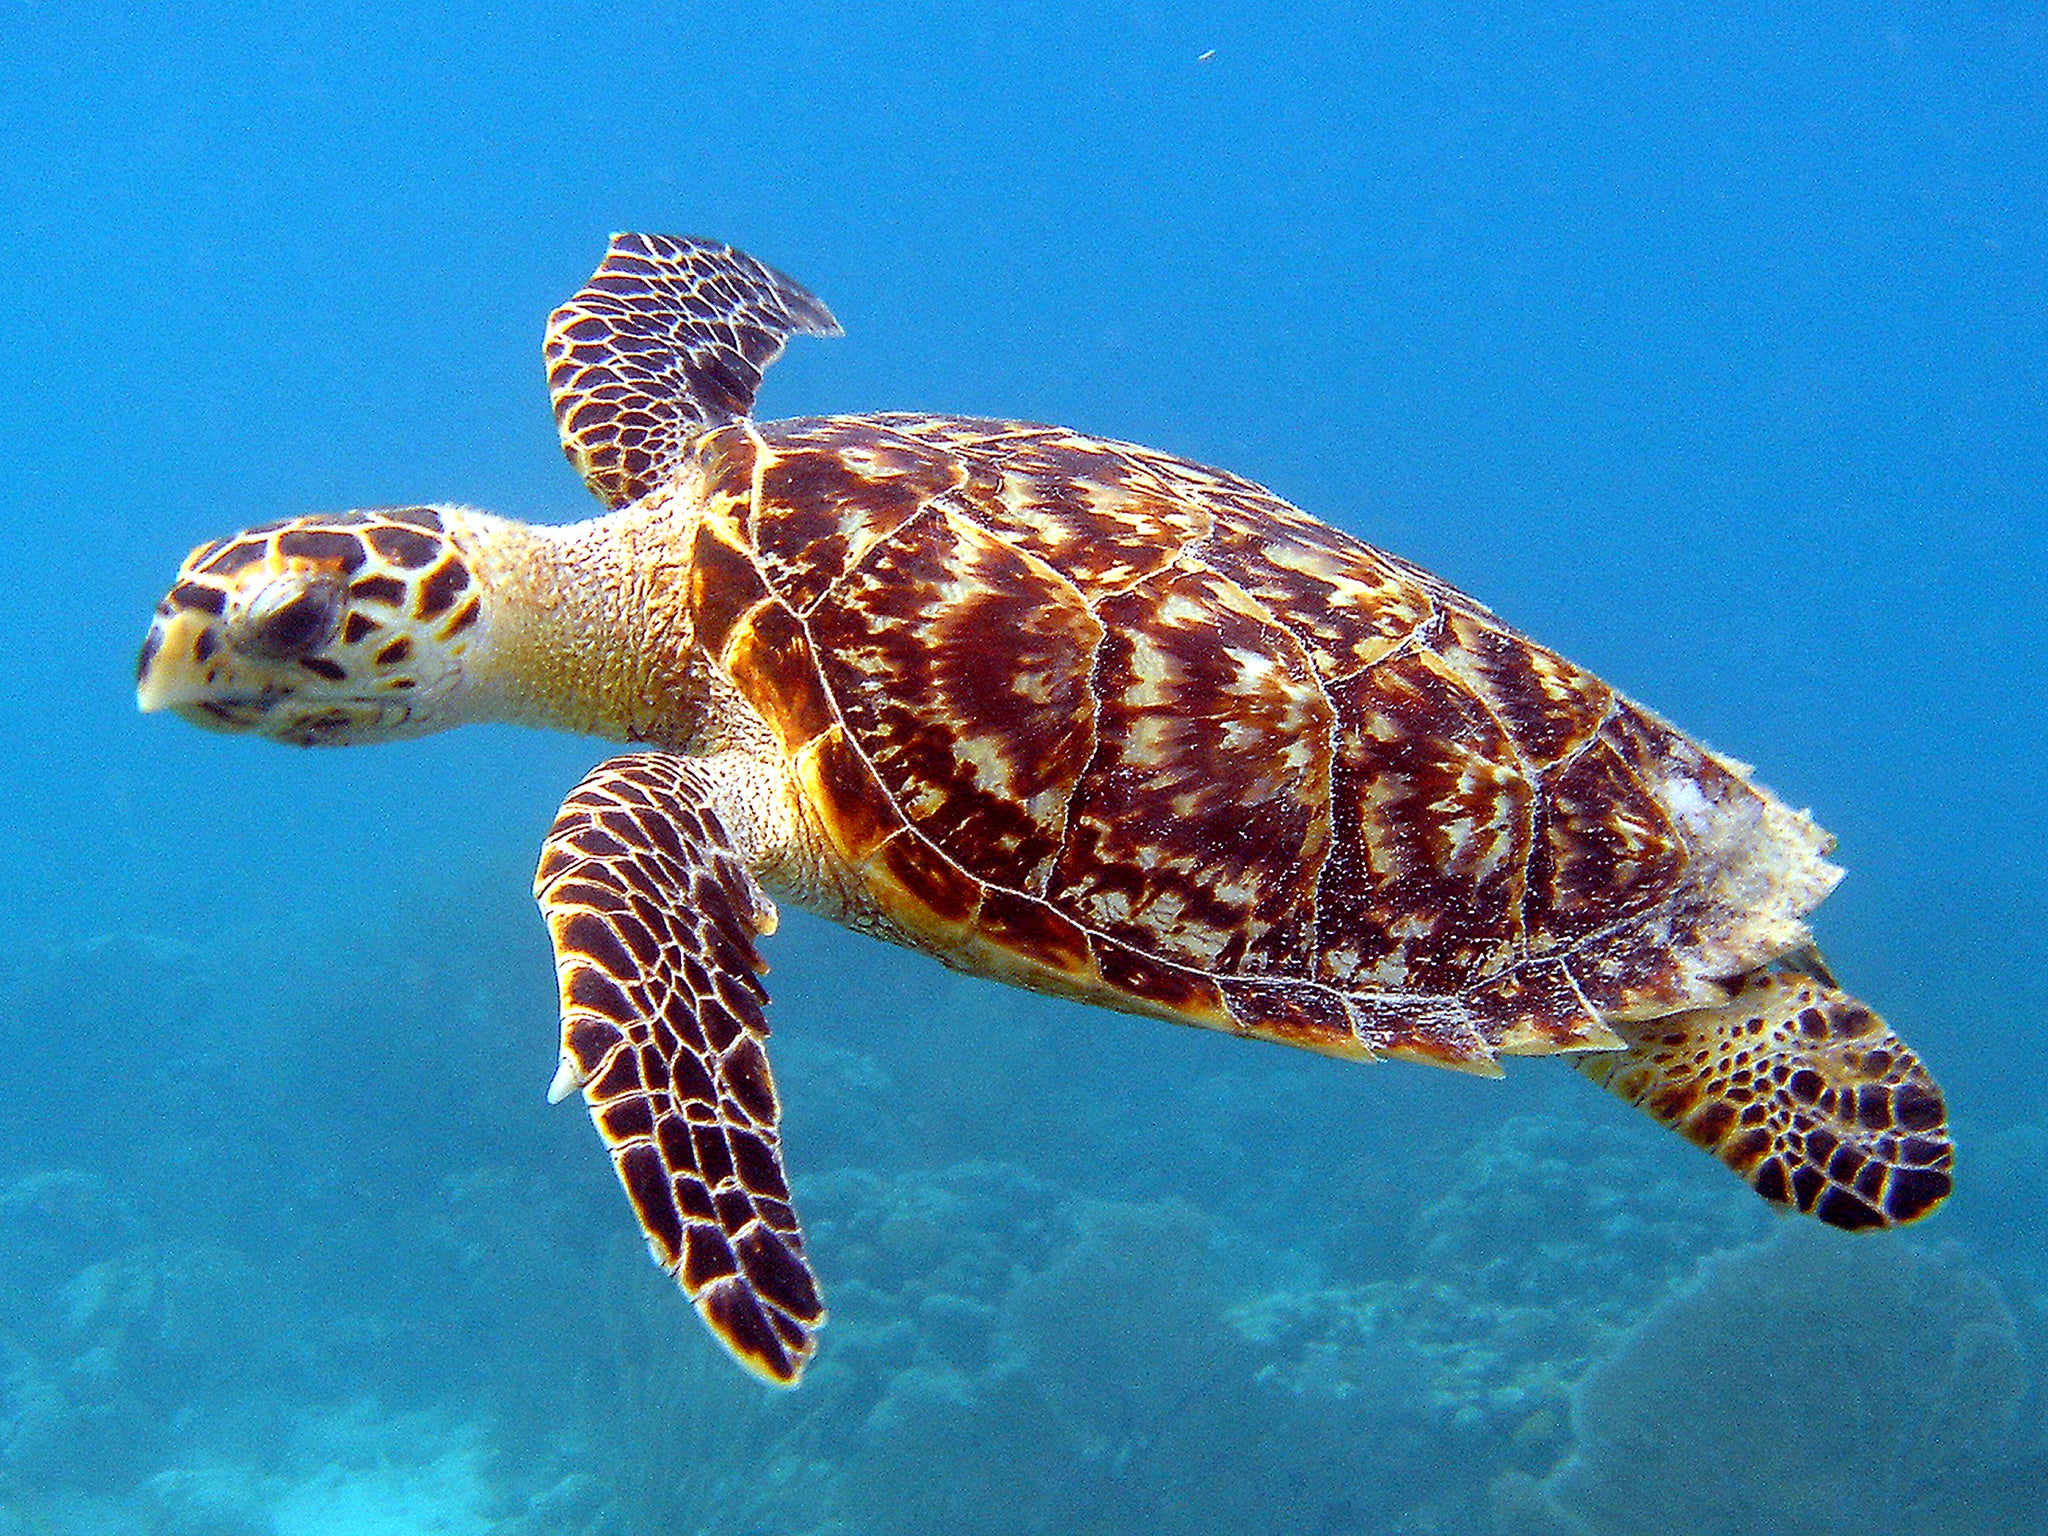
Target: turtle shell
[(1108, 723)]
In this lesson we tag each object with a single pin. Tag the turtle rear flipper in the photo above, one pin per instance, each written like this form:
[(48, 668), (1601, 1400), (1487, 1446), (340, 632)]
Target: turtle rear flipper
[(653, 917), (1800, 1089)]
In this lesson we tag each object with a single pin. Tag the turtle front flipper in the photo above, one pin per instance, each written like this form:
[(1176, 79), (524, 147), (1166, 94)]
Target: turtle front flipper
[(1800, 1089), (669, 338), (653, 917)]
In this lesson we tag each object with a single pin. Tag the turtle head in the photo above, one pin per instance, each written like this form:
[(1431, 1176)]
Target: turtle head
[(320, 631)]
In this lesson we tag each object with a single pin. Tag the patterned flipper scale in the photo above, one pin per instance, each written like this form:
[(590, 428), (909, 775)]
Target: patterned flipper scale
[(653, 918), (669, 338), (1800, 1089)]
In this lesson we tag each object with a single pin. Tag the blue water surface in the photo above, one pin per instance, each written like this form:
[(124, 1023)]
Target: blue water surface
[(1707, 344)]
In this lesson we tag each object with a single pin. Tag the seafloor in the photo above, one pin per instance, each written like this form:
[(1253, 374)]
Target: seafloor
[(314, 1258)]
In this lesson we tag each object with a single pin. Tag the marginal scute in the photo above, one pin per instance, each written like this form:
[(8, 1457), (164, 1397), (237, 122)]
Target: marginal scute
[(1303, 1014), (1029, 927), (1437, 1032), (939, 891), (1538, 1009), (770, 652), (1161, 986), (853, 808)]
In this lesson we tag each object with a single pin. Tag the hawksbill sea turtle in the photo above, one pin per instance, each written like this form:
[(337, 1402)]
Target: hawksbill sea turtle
[(1070, 713)]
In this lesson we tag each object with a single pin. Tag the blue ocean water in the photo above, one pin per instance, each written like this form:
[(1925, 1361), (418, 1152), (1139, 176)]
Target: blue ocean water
[(1707, 347)]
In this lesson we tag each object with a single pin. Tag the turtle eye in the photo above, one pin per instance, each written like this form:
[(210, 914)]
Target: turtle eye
[(293, 618)]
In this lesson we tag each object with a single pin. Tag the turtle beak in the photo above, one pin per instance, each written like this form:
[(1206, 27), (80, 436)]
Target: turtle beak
[(171, 671)]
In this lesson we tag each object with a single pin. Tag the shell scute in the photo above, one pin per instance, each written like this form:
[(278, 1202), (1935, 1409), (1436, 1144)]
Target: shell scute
[(1030, 928), (1348, 604), (1549, 707), (1097, 515), (1201, 818), (828, 494), (1294, 1013), (962, 665), (1634, 969), (1432, 818), (1538, 1008), (1607, 848), (939, 889), (1160, 985), (724, 586)]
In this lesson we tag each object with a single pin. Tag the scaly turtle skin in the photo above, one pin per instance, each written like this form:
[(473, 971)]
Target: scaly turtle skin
[(1069, 713)]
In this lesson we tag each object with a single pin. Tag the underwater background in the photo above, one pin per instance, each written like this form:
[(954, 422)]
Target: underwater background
[(1707, 344)]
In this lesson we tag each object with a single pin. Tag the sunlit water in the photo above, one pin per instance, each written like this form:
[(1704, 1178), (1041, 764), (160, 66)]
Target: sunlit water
[(1709, 351)]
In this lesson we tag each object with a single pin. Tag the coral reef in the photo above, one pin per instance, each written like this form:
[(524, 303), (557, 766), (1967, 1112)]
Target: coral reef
[(360, 1470), (1548, 1242), (1016, 1330), (1169, 1287), (1816, 1383)]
